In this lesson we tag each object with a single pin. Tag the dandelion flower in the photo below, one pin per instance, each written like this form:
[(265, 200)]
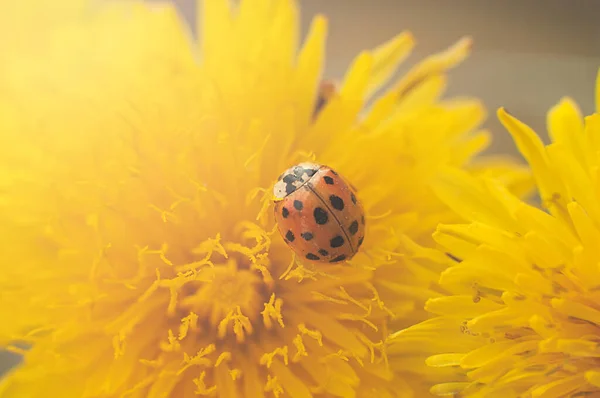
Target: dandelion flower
[(521, 317), (140, 257)]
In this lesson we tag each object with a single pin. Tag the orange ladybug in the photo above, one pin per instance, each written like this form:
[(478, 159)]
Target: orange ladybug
[(318, 214)]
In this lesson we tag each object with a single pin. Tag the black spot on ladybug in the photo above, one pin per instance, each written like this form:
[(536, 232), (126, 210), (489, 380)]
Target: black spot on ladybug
[(311, 256), (336, 241), (328, 180), (353, 227), (320, 215), (360, 241), (362, 220), (310, 172), (285, 212), (353, 197), (339, 258), (289, 178), (289, 188), (336, 202), (306, 235), (323, 252), (290, 236), (298, 205)]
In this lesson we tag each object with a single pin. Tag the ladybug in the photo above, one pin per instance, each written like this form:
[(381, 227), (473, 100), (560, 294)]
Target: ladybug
[(318, 214)]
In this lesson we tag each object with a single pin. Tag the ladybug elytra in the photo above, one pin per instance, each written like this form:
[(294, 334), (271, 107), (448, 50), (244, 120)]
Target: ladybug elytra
[(318, 214)]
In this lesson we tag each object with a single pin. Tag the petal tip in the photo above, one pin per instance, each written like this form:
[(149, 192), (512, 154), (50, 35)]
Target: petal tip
[(466, 42), (321, 21), (407, 36), (504, 115)]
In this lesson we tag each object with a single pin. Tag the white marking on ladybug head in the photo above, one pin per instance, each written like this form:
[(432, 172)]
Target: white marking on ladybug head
[(279, 190), (293, 178)]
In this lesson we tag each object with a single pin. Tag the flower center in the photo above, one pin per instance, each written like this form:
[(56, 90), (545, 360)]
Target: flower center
[(229, 300)]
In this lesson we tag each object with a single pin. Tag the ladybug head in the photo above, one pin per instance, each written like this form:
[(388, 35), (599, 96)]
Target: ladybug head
[(293, 178)]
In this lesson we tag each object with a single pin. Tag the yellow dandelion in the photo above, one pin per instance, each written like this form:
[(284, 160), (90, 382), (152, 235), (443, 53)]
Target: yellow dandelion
[(139, 252), (522, 317)]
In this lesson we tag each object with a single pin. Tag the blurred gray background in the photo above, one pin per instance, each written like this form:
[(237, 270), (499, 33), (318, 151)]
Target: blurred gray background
[(527, 54)]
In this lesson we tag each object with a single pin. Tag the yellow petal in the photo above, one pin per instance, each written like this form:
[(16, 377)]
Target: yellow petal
[(292, 385), (577, 180), (465, 238), (532, 148), (345, 339), (534, 283), (545, 253), (597, 96), (309, 65), (515, 176), (485, 354), (166, 382), (592, 138), (578, 348), (565, 125), (552, 228), (224, 382), (424, 93), (214, 21), (489, 269), (461, 306), (576, 310), (354, 87), (386, 59), (343, 109), (339, 380), (467, 196), (425, 336), (542, 326), (252, 385), (459, 248), (505, 317), (558, 388), (477, 143), (443, 360), (586, 229), (593, 377), (448, 389), (434, 65), (493, 369)]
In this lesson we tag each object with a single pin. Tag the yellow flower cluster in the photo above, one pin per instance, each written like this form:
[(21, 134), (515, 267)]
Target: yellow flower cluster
[(521, 317), (140, 252)]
